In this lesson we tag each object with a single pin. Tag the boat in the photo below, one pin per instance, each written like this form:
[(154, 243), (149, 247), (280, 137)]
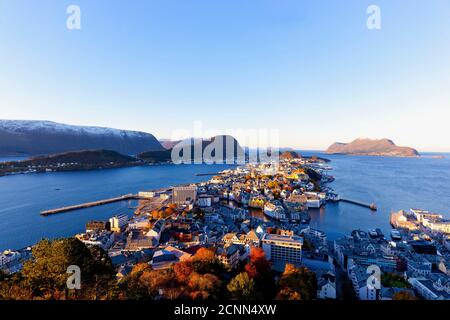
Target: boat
[(380, 233), (395, 235), (373, 233)]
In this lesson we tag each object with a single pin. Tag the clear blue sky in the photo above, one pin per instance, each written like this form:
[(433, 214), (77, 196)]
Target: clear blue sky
[(309, 68)]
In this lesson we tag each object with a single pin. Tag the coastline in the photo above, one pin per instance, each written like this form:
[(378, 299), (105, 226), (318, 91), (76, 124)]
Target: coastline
[(362, 178)]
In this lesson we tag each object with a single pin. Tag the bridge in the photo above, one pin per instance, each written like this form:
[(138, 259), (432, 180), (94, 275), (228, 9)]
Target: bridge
[(90, 204)]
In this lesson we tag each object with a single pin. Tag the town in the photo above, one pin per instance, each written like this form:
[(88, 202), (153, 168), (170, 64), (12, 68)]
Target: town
[(260, 211)]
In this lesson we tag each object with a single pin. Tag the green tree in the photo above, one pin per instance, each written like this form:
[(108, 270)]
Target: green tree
[(46, 273), (394, 280), (242, 287)]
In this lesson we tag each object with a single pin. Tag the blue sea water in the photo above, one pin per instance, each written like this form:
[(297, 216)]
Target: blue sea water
[(23, 197), (391, 183)]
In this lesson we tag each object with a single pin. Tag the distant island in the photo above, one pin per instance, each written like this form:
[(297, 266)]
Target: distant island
[(369, 147), (70, 161)]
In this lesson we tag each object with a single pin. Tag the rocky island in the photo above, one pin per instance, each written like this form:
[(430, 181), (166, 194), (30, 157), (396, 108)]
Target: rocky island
[(370, 147)]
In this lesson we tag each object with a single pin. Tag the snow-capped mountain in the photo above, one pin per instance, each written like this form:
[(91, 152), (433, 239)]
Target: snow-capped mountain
[(29, 137)]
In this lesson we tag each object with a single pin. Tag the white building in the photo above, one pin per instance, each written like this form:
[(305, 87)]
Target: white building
[(326, 286), (420, 215), (358, 275), (418, 265), (229, 256), (431, 290), (102, 239), (8, 256), (157, 229), (147, 194), (278, 248), (205, 201), (182, 195), (139, 223), (117, 223)]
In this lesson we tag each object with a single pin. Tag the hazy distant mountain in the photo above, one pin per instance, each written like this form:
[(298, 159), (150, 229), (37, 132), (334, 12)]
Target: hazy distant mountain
[(191, 145), (168, 144), (382, 147), (22, 137)]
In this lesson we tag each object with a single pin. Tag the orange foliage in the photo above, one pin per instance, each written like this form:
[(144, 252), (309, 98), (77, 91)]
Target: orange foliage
[(183, 271), (204, 254), (258, 266), (140, 267)]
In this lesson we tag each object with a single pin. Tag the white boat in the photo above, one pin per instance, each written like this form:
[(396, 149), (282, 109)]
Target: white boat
[(395, 235), (373, 233)]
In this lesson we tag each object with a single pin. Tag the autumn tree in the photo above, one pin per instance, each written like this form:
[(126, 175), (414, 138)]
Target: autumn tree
[(297, 283), (404, 295), (203, 286), (12, 288), (242, 287), (259, 269), (258, 265), (155, 214), (205, 261), (204, 254), (183, 271), (143, 283)]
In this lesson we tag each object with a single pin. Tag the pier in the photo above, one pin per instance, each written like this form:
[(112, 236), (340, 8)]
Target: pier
[(208, 174), (371, 206), (90, 204)]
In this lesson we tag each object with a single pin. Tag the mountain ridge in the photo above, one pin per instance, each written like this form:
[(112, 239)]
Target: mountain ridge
[(35, 137)]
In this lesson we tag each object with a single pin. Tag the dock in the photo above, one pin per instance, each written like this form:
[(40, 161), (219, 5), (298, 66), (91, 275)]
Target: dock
[(371, 206), (90, 204), (208, 174)]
